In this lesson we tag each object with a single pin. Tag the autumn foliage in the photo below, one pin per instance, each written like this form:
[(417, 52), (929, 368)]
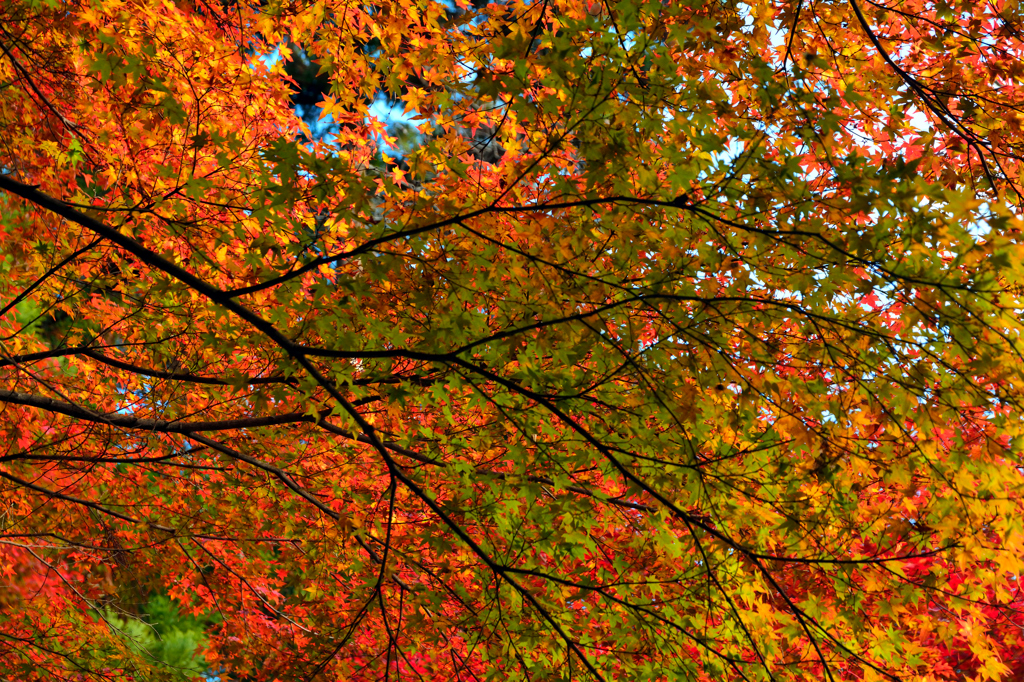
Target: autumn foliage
[(557, 339)]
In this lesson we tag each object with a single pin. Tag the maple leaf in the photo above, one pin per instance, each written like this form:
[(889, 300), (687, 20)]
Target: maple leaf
[(670, 341)]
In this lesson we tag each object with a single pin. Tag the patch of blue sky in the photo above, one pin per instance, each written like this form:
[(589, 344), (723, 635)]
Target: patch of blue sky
[(391, 114)]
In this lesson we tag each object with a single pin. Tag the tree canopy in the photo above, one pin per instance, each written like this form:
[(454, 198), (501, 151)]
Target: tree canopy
[(519, 340)]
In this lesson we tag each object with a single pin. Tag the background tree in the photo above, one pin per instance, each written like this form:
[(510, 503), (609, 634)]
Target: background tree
[(682, 342)]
